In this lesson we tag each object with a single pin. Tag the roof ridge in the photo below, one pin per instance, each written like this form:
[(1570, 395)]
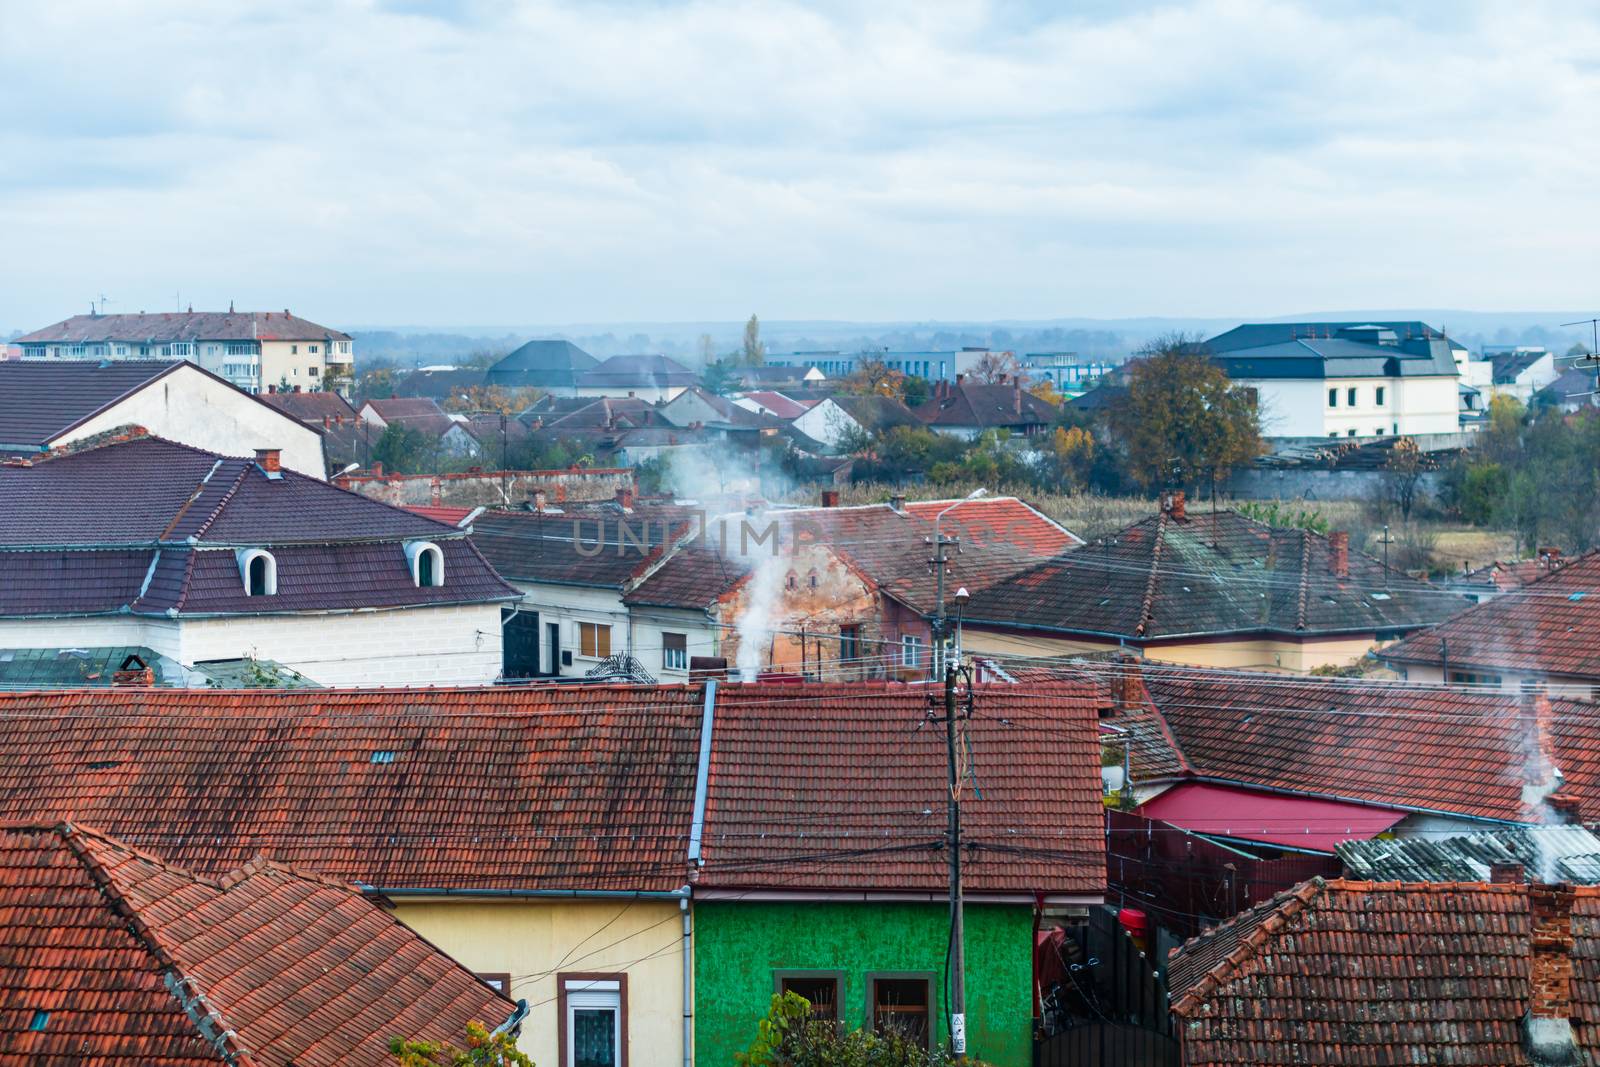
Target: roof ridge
[(1303, 599), (1148, 604), (227, 496), (1281, 911)]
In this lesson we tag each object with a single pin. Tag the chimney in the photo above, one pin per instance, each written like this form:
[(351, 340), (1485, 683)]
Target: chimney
[(377, 470), (960, 378), (625, 499), (1567, 807), (1174, 504), (1505, 872), (1547, 1028), (327, 421), (898, 502), (830, 498), (133, 672), (267, 459), (1127, 684), (539, 499), (1339, 548), (1016, 398)]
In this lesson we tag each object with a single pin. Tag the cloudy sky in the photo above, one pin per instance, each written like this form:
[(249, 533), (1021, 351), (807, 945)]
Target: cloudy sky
[(455, 162)]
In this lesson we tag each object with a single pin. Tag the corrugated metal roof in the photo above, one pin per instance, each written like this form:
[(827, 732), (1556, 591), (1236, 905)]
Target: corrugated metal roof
[(1548, 853)]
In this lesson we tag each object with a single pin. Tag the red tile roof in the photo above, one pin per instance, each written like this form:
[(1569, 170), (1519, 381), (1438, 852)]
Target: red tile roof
[(104, 946), (1208, 574), (1341, 972), (162, 327), (568, 787), (446, 515), (1547, 626), (784, 407), (843, 787), (1402, 746)]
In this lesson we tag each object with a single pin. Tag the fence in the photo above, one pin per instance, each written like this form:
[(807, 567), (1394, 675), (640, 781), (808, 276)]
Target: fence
[(1115, 1006)]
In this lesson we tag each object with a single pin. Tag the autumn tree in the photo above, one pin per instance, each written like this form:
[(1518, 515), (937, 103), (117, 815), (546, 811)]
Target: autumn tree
[(1072, 450), (1045, 390), (1181, 418), (997, 368), (874, 377), (483, 1049), (491, 398), (754, 352)]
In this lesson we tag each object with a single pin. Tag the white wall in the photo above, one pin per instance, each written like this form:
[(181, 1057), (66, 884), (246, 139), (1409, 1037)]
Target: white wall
[(1560, 686), (192, 409), (827, 423), (570, 605), (647, 624), (653, 394), (1299, 408), (91, 631), (457, 645)]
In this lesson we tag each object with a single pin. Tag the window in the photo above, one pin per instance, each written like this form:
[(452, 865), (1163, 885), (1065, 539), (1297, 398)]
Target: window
[(900, 1003), (1473, 678), (312, 349), (1333, 398), (594, 639), (811, 579), (427, 564), (910, 650), (592, 1021), (294, 350), (849, 645), (1377, 396), (241, 348), (820, 988), (311, 371), (674, 652), (1350, 397), (259, 571), (1350, 432), (500, 983), (792, 581)]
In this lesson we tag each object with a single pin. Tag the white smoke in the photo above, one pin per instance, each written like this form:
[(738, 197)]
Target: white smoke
[(1542, 778), (755, 625)]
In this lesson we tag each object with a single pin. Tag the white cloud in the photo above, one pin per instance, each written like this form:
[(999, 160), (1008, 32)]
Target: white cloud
[(479, 161)]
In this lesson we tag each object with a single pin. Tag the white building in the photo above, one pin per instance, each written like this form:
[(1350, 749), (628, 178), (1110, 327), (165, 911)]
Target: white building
[(50, 404), (250, 349), (1346, 379), (1519, 370), (198, 557)]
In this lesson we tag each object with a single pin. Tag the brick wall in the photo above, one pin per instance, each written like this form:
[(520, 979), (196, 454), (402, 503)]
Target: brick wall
[(490, 488)]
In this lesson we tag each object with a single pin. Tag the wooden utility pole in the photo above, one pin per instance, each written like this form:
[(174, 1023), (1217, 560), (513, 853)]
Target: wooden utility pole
[(956, 970)]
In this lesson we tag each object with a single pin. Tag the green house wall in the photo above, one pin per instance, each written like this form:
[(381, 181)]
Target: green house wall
[(739, 946)]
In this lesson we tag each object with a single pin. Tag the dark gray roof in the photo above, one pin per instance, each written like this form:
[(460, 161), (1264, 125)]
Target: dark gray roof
[(877, 413), (439, 383), (164, 326), (638, 372), (1332, 350), (41, 399), (1547, 853), (1507, 365), (544, 364)]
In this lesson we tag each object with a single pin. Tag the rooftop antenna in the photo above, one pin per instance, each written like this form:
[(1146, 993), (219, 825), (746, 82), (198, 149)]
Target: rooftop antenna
[(1593, 358), (103, 301)]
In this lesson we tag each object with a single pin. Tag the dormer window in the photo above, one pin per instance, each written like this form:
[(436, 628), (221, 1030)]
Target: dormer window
[(427, 564), (259, 572)]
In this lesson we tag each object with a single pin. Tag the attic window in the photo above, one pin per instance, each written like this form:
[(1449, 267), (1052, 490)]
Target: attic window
[(259, 571), (383, 755), (1575, 597), (791, 582), (40, 1020), (427, 564), (1380, 596)]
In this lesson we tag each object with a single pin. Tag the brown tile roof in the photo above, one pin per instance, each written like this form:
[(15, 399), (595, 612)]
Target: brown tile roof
[(843, 787), (311, 407), (165, 326), (103, 945), (984, 407), (1210, 574), (1403, 746), (1547, 626), (412, 413), (1342, 972), (563, 787)]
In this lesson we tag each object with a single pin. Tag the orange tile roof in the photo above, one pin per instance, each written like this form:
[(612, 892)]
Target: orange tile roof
[(845, 789), (1344, 972), (569, 787), (112, 957)]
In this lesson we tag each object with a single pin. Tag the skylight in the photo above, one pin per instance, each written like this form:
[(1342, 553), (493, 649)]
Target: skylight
[(383, 755)]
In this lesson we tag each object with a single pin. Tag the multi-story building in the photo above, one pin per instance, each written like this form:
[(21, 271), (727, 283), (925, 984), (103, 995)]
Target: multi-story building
[(251, 349), (1346, 379)]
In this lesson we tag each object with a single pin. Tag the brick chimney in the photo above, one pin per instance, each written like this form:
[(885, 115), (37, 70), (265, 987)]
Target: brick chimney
[(1339, 549), (267, 459), (830, 498), (1016, 398), (1174, 505), (1127, 683), (377, 470), (625, 499), (1506, 872), (897, 502), (539, 499), (1547, 1028)]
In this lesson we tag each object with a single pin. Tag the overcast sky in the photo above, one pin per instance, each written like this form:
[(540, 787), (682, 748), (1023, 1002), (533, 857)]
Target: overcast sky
[(458, 162)]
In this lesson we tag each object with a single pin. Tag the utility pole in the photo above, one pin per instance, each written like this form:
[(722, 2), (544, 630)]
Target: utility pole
[(1386, 541), (956, 972)]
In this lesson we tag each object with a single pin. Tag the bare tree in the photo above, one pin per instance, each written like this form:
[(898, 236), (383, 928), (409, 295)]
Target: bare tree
[(997, 368)]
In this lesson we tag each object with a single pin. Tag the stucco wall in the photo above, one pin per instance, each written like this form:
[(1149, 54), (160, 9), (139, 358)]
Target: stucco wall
[(1559, 685), (1244, 654), (807, 620), (533, 941), (739, 946), (188, 407), (490, 488), (1299, 408)]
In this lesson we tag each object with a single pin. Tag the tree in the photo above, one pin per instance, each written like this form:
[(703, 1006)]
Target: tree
[(1181, 418), (719, 378), (484, 1049), (492, 398), (915, 391), (1045, 390), (753, 353), (1073, 451), (708, 350), (405, 450), (997, 368), (1402, 474), (874, 377)]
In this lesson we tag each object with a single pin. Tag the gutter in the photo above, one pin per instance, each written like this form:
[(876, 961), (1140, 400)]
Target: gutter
[(528, 894), (702, 776)]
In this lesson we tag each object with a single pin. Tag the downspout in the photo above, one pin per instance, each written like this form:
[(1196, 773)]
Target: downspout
[(696, 836)]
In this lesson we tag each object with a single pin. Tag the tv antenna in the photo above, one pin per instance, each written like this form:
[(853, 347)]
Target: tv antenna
[(102, 300), (1593, 358)]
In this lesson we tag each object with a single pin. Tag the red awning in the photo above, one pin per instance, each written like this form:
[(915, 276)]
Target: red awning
[(1271, 818)]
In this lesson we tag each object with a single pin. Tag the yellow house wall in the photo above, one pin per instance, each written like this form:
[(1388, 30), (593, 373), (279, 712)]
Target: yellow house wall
[(533, 940), (291, 362), (1260, 655)]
